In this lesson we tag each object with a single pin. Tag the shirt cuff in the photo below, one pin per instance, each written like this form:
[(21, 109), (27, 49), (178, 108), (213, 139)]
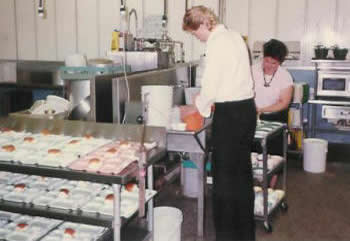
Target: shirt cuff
[(204, 109)]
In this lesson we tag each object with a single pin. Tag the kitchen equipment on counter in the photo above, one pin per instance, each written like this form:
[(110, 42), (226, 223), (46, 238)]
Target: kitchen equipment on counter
[(329, 117), (333, 79)]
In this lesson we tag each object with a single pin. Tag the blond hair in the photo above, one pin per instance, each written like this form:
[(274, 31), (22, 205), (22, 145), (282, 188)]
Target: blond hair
[(198, 15)]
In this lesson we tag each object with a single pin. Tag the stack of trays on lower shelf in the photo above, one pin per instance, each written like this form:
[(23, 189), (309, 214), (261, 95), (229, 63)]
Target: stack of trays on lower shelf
[(273, 161), (82, 196), (16, 227), (274, 197)]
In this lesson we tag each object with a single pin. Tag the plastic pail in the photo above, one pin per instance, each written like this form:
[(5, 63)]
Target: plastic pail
[(167, 224), (190, 176), (315, 153)]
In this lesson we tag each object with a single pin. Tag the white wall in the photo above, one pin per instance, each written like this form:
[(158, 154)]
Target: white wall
[(85, 25)]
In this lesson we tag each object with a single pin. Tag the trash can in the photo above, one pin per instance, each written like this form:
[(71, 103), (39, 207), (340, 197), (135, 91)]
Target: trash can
[(315, 155), (167, 224), (190, 176)]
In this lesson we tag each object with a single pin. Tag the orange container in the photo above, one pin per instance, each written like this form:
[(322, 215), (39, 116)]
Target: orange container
[(193, 121)]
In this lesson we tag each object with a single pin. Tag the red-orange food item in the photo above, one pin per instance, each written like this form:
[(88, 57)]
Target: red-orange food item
[(109, 197), (9, 148), (88, 136), (193, 121), (20, 186), (22, 226), (5, 129), (45, 132), (28, 139), (73, 142), (130, 186), (124, 142), (112, 150), (94, 161), (54, 151), (69, 231), (64, 191)]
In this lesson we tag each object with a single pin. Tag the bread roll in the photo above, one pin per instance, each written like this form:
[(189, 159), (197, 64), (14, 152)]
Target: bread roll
[(54, 151), (94, 163), (8, 148), (28, 139)]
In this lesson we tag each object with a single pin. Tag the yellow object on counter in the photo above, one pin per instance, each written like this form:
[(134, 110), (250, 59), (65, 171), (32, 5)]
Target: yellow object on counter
[(115, 41)]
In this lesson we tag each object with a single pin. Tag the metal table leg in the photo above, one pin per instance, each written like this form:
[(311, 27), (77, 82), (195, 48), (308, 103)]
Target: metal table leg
[(198, 159), (116, 207), (150, 216)]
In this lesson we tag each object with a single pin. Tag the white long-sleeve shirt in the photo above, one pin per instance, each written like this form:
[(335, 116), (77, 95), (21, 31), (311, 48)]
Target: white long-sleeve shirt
[(227, 74)]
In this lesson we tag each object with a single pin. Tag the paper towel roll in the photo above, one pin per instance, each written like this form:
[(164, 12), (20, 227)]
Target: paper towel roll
[(298, 93), (159, 102)]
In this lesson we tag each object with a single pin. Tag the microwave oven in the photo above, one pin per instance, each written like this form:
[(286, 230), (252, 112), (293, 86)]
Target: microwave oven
[(333, 84)]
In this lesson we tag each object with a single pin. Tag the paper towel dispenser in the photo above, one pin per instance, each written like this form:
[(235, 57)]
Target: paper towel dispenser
[(293, 50)]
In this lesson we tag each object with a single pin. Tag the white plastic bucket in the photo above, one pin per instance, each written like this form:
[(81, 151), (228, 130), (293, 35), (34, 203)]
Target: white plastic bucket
[(315, 154), (167, 224), (190, 188)]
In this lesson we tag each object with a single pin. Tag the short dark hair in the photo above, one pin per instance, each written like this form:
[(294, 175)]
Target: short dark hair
[(276, 50)]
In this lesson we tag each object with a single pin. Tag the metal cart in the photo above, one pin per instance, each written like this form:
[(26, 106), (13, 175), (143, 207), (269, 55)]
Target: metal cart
[(78, 128), (265, 131)]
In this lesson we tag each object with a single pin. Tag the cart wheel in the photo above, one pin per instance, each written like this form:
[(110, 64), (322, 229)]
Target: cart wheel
[(284, 206), (268, 227)]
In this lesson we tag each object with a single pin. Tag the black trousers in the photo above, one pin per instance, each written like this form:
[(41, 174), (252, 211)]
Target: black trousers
[(234, 126)]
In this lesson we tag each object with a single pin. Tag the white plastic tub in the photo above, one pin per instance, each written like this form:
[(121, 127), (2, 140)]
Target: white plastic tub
[(167, 224), (315, 155)]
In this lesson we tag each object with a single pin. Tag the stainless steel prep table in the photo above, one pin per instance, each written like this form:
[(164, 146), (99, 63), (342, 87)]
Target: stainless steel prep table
[(78, 128), (193, 142)]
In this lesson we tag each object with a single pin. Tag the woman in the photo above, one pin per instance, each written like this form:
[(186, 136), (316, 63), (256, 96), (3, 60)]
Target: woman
[(273, 84), (227, 84), (273, 92)]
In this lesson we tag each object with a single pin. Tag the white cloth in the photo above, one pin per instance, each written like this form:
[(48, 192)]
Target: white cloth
[(266, 96), (227, 74)]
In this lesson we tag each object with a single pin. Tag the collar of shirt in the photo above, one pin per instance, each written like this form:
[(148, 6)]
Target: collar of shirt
[(218, 29)]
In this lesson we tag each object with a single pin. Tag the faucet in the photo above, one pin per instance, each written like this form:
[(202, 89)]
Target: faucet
[(136, 27)]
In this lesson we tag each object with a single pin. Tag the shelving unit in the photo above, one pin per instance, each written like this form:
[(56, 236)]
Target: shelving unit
[(265, 131), (77, 128)]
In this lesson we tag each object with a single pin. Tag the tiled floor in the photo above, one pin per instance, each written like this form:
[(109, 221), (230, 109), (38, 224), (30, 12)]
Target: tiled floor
[(319, 205)]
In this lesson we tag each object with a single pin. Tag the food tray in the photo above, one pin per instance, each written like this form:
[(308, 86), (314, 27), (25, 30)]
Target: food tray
[(75, 232), (274, 197), (129, 202), (28, 228), (111, 158)]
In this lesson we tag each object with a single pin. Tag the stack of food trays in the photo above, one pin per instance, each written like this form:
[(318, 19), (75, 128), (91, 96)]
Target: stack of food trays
[(273, 161), (78, 153), (64, 194), (264, 128), (274, 197), (17, 227), (44, 148)]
